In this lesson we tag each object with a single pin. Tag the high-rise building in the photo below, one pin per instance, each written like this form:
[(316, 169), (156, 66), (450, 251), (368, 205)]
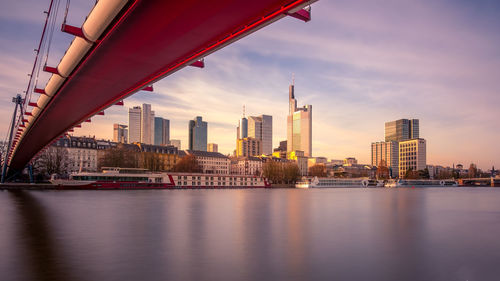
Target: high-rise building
[(388, 152), (198, 134), (213, 147), (147, 124), (162, 131), (242, 128), (412, 155), (402, 130), (299, 126), (134, 124), (249, 147), (120, 133), (261, 127), (176, 143)]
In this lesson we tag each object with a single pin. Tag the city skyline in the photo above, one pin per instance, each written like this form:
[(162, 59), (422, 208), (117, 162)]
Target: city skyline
[(371, 72)]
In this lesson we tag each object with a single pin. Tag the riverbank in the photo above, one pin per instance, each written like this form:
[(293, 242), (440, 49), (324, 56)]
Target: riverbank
[(49, 186)]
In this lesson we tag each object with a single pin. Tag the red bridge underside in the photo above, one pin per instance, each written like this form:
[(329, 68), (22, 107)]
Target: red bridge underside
[(148, 41)]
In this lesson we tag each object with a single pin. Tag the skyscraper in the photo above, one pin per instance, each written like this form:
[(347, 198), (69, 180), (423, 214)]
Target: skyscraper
[(120, 133), (299, 126), (134, 124), (402, 130), (161, 131), (242, 128), (388, 152), (261, 128), (147, 124), (198, 134)]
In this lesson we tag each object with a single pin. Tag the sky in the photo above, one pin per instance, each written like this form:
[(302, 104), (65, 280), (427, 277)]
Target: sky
[(358, 63)]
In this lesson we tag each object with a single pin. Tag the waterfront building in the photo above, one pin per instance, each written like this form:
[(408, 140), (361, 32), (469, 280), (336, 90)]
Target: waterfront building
[(161, 131), (353, 171), (299, 126), (336, 162), (246, 166), (350, 161), (301, 160), (134, 124), (402, 130), (261, 128), (81, 153), (388, 152), (213, 147), (198, 134), (176, 143), (211, 162), (412, 155), (157, 157), (120, 133), (316, 161), (248, 147)]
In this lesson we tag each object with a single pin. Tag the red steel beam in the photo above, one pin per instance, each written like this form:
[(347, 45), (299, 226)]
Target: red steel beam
[(156, 46)]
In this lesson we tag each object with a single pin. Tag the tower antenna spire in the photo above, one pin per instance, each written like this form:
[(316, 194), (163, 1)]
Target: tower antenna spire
[(243, 111), (293, 78)]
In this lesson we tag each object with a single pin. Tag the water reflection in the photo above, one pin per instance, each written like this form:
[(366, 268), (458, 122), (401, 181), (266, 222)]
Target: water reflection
[(40, 251), (329, 234)]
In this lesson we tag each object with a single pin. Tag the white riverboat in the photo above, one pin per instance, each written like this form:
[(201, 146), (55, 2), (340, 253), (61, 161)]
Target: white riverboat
[(131, 178), (419, 183), (336, 182)]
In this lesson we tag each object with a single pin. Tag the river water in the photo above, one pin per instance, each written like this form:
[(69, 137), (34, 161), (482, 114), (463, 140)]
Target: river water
[(251, 234)]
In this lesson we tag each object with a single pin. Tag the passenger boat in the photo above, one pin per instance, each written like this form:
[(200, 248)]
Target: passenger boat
[(419, 183), (335, 182), (132, 178)]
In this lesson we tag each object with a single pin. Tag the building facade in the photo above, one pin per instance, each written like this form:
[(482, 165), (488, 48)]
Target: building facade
[(412, 155), (198, 134), (161, 131), (299, 126), (402, 130), (81, 153), (261, 127), (147, 124), (134, 124), (246, 166), (301, 160), (120, 133), (248, 147), (388, 152), (212, 162), (213, 147)]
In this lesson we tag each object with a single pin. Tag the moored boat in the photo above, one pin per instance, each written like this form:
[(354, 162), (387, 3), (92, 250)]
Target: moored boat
[(419, 183), (132, 178), (335, 182)]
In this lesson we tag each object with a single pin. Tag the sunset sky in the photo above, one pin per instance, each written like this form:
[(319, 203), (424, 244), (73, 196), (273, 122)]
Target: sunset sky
[(359, 63)]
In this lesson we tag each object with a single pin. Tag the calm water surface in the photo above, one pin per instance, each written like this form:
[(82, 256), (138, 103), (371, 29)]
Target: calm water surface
[(320, 234)]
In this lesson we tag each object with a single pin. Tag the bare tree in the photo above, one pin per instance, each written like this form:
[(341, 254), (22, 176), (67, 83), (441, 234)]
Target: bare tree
[(54, 160), (188, 164), (119, 157), (382, 170), (473, 170), (317, 170), (291, 172)]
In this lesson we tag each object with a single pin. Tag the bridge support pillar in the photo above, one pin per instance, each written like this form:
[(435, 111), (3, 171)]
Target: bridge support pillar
[(30, 173)]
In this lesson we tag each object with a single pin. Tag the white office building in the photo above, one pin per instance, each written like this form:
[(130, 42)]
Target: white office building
[(412, 155)]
